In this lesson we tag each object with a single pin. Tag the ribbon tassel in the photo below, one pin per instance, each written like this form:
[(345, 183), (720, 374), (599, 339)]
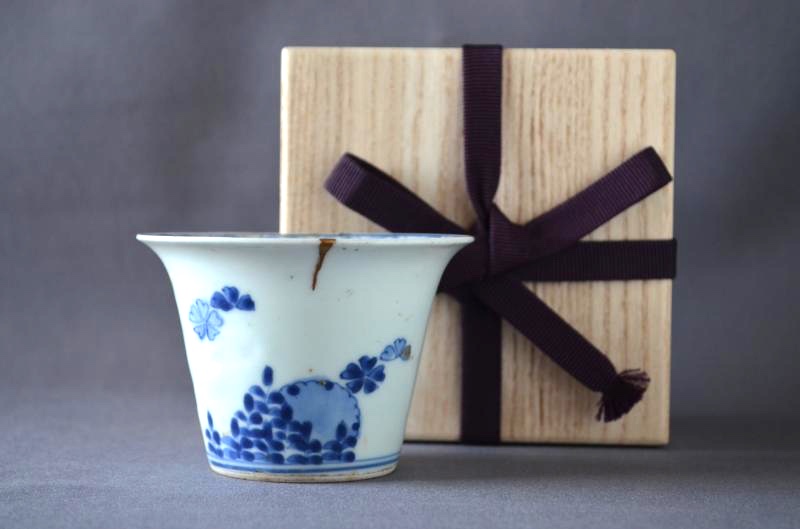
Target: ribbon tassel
[(627, 389), (486, 276)]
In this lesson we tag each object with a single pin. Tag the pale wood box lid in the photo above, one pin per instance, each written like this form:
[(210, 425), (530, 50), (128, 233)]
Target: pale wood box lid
[(569, 116)]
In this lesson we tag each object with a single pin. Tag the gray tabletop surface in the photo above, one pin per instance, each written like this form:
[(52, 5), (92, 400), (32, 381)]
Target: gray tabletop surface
[(104, 459)]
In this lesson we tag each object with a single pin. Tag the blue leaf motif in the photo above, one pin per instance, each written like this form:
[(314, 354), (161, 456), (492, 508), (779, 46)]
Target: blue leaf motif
[(341, 431), (266, 376), (295, 426), (229, 299), (377, 374), (351, 372), (221, 301), (306, 429), (276, 445), (231, 293), (257, 391), (267, 429), (246, 303), (231, 442), (297, 442), (333, 446), (355, 385), (218, 301), (397, 349), (367, 362)]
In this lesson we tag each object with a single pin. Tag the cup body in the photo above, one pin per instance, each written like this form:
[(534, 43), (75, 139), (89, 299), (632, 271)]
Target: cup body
[(303, 350)]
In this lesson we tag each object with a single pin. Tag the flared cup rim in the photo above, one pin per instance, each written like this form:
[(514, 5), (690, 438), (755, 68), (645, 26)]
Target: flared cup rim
[(271, 238)]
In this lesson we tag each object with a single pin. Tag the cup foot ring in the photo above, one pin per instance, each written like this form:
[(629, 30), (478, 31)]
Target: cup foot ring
[(321, 477)]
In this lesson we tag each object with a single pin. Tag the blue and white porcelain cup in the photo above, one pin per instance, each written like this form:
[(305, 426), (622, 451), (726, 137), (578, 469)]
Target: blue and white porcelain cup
[(303, 349)]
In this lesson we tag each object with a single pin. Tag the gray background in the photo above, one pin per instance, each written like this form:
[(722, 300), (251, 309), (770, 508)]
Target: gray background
[(118, 117)]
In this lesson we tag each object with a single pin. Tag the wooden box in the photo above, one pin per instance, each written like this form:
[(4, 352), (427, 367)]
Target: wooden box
[(569, 116)]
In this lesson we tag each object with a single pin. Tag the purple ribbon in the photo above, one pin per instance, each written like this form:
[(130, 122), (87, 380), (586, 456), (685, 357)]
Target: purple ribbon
[(486, 277)]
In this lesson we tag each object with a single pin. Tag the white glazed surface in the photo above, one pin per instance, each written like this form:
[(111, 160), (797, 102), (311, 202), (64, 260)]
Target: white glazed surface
[(370, 291)]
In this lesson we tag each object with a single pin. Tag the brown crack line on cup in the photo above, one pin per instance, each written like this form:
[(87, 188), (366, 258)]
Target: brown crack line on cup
[(324, 246)]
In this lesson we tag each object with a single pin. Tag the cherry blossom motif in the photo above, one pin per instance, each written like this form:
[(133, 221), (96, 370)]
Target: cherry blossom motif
[(206, 320), (366, 374)]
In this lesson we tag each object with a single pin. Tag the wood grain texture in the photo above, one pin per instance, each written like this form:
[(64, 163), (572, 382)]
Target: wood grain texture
[(569, 116)]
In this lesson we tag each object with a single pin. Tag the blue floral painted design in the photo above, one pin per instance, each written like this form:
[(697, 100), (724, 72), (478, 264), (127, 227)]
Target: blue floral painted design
[(397, 349), (366, 374), (213, 438), (311, 421), (206, 320), (229, 299)]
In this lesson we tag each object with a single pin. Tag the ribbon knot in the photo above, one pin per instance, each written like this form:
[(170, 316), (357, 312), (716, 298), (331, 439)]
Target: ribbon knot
[(498, 248), (487, 276), (509, 244)]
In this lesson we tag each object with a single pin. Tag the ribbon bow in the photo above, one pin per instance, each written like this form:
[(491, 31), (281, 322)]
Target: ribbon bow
[(486, 277)]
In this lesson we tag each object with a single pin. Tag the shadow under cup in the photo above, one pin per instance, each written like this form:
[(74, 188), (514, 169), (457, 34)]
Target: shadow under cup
[(303, 349)]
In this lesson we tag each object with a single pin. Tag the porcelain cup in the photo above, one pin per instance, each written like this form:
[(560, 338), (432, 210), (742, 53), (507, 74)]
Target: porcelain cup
[(303, 349)]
